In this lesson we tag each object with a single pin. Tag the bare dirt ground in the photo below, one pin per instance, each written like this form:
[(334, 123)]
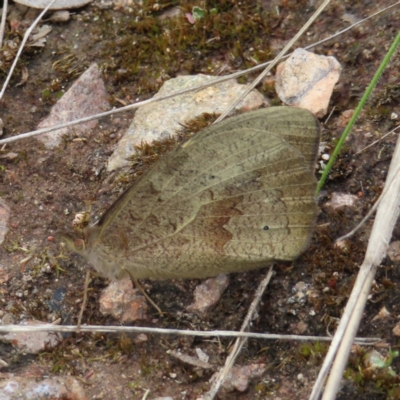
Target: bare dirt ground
[(137, 51)]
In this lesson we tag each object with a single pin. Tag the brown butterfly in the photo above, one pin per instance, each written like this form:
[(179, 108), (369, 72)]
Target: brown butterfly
[(236, 196)]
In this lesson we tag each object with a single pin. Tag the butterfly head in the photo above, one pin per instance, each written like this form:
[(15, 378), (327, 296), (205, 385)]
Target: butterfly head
[(80, 242), (83, 243), (74, 242)]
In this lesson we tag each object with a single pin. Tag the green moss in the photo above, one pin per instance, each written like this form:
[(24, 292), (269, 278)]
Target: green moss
[(46, 94), (125, 344), (313, 351), (381, 378), (147, 50)]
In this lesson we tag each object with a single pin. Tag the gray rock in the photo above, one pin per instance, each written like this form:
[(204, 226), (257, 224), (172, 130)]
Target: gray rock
[(160, 120), (24, 388)]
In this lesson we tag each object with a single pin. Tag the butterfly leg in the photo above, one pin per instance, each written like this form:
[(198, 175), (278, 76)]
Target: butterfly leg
[(139, 287), (85, 297)]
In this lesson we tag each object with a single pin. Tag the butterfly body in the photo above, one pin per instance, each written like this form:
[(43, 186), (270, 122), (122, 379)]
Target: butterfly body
[(236, 196)]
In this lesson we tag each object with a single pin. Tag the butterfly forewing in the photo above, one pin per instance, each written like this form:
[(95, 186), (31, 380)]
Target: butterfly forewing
[(297, 126), (236, 196)]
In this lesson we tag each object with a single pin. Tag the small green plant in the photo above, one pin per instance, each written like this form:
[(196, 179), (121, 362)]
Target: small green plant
[(313, 351)]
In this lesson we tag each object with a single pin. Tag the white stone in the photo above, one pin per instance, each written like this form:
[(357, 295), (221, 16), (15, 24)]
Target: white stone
[(340, 200), (57, 5), (394, 251)]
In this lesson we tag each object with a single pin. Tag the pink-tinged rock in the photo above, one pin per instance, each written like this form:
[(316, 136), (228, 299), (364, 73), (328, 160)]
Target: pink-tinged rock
[(300, 328), (239, 377), (186, 358), (22, 388), (306, 80), (123, 302), (208, 293), (86, 97), (396, 330), (140, 338), (32, 342), (344, 118), (382, 314)]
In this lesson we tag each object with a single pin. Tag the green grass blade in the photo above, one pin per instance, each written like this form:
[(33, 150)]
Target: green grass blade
[(363, 100)]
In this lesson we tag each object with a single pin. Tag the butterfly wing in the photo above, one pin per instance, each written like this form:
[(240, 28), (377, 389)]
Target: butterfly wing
[(233, 197), (296, 125)]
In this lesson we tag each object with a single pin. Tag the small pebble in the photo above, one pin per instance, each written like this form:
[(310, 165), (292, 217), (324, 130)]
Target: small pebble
[(325, 157)]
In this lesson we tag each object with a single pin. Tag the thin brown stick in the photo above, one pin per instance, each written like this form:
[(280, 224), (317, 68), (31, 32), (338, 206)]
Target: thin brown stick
[(240, 341)]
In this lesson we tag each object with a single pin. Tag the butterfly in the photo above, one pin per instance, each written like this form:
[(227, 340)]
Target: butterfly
[(234, 197)]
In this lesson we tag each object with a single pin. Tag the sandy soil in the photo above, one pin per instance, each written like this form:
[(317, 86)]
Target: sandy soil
[(40, 185)]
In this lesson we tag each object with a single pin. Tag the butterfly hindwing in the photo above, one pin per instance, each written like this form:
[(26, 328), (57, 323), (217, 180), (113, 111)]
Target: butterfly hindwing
[(233, 197)]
